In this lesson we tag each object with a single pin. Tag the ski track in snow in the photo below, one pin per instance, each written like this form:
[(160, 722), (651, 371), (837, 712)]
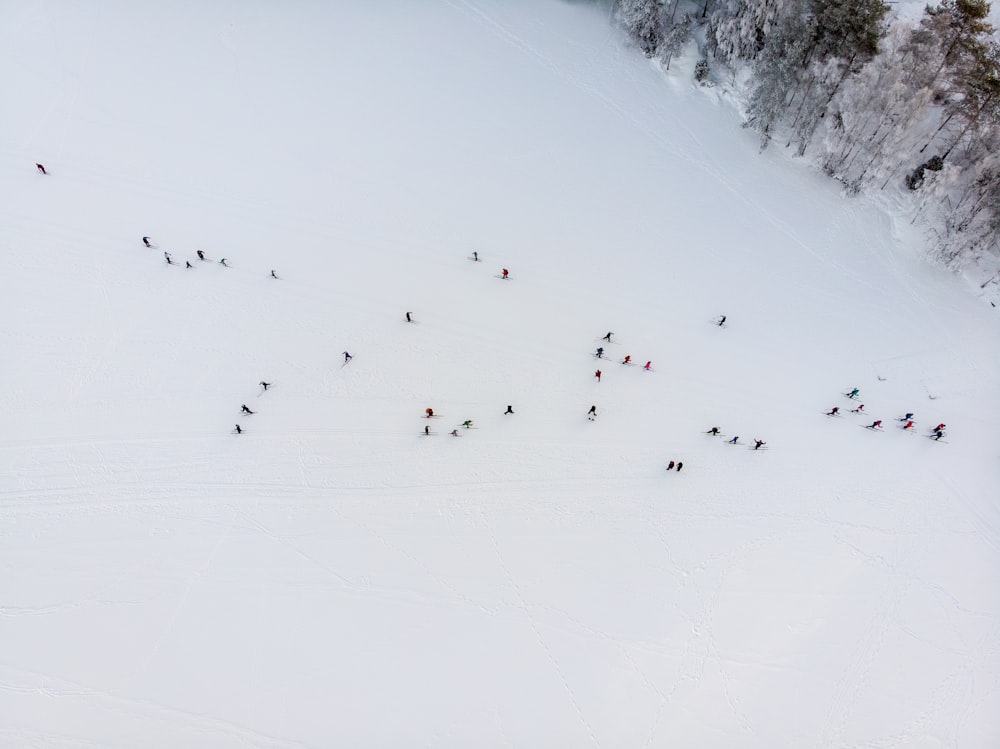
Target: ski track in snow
[(55, 687)]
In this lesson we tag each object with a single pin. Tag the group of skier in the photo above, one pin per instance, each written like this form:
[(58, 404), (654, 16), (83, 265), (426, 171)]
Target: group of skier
[(148, 242), (246, 409), (627, 360), (599, 354), (758, 444), (935, 433)]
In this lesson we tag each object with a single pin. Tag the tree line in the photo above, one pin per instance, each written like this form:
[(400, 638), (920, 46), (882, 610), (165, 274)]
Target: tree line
[(876, 101)]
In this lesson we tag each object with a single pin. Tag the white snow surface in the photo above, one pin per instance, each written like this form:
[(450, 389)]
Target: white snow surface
[(331, 577)]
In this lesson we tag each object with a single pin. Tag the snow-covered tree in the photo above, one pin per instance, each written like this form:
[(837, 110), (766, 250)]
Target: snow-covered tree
[(846, 35), (643, 21), (741, 28), (777, 71), (908, 105), (677, 32), (959, 27)]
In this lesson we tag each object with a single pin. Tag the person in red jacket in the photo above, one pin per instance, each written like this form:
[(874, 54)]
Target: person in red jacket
[(505, 271), (597, 374)]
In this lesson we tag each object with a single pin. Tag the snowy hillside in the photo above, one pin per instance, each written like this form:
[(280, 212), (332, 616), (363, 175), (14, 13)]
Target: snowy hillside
[(333, 577)]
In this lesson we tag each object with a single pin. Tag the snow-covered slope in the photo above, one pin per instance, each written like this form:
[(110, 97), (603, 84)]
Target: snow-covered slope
[(333, 577)]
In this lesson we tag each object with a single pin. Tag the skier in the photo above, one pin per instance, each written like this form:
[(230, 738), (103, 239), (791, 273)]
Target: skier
[(722, 321), (510, 410), (853, 393), (679, 467), (597, 374), (600, 352), (429, 412), (40, 168), (670, 466), (833, 411), (592, 411), (627, 359), (408, 318), (908, 425), (347, 357), (608, 337), (187, 264), (238, 430), (467, 423), (938, 434), (246, 410), (875, 424), (166, 255), (939, 427), (265, 385), (907, 417), (201, 254), (714, 431), (648, 366), (505, 272), (145, 241), (733, 440), (454, 433), (758, 443), (273, 274), (859, 409), (223, 262), (475, 256), (427, 430)]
